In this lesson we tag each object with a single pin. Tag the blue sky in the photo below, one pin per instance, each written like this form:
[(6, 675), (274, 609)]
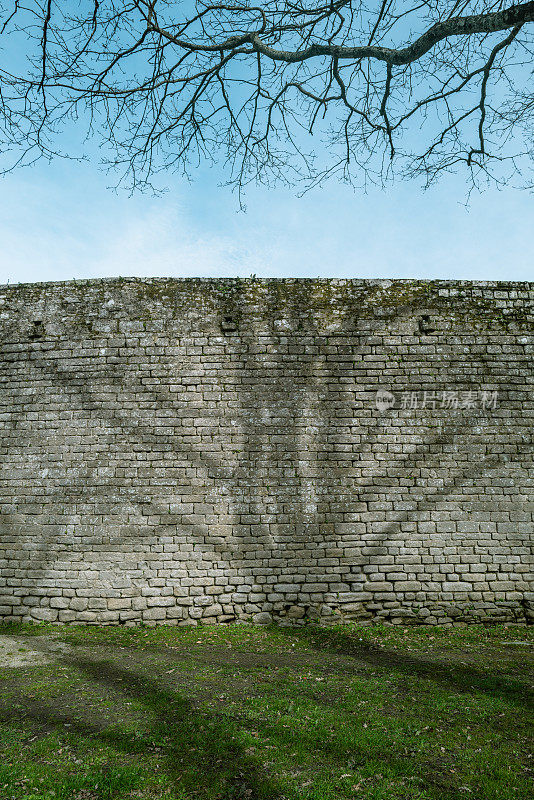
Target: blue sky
[(61, 221)]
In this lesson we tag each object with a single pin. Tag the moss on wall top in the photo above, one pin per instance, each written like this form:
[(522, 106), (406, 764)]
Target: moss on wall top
[(226, 305)]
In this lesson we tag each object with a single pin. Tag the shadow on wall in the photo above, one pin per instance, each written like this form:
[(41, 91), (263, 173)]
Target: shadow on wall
[(294, 470)]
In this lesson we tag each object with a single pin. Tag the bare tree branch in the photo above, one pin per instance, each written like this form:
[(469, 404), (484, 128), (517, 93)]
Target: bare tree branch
[(390, 88), (456, 26)]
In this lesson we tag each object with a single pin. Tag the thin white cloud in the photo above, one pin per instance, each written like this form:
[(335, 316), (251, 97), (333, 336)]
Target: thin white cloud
[(161, 242), (59, 226)]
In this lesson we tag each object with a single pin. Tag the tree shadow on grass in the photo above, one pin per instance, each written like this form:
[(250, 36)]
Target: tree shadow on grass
[(456, 677), (204, 754), (200, 751)]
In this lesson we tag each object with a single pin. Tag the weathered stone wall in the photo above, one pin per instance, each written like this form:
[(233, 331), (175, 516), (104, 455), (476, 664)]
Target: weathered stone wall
[(183, 450)]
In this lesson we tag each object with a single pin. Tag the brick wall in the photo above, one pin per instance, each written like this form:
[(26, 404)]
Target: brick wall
[(183, 450)]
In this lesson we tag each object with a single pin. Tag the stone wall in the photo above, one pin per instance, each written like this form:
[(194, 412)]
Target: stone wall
[(183, 450)]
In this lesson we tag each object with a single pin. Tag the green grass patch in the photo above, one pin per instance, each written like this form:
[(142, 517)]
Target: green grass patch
[(250, 713)]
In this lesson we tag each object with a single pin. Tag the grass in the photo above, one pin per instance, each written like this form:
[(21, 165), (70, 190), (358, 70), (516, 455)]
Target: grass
[(249, 713)]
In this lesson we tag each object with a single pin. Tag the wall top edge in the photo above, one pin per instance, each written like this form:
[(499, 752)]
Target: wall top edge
[(207, 281), (37, 312)]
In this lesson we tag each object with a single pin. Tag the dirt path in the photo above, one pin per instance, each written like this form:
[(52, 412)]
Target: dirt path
[(14, 652), (20, 651)]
